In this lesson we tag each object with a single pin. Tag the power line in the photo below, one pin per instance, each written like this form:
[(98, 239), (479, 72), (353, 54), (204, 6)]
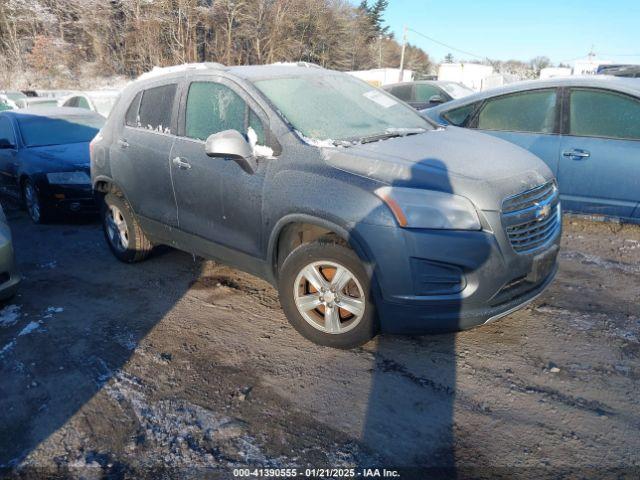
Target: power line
[(446, 45)]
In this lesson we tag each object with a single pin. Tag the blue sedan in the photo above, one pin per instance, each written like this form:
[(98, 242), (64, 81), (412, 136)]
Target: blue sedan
[(44, 159), (587, 129)]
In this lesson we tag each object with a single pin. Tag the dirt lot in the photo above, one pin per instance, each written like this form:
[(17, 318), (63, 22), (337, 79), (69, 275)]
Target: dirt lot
[(186, 368)]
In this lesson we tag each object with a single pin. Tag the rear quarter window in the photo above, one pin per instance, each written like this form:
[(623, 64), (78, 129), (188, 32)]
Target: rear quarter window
[(156, 108)]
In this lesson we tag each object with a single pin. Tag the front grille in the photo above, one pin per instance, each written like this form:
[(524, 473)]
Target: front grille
[(532, 218)]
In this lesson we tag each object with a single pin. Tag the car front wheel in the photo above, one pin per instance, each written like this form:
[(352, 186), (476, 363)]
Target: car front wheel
[(325, 293), (32, 202)]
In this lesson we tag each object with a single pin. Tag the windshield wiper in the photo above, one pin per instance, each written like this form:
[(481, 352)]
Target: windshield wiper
[(391, 133)]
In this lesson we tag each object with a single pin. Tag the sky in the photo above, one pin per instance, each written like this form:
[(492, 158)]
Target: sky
[(562, 30)]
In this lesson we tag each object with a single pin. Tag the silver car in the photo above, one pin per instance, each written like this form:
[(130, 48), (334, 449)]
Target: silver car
[(9, 277)]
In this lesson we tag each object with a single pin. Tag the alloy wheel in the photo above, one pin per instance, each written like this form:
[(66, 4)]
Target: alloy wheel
[(329, 297), (32, 202), (117, 230)]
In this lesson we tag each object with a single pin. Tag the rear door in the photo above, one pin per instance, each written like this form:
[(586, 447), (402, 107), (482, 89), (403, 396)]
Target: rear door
[(142, 152), (529, 119), (600, 155), (217, 200)]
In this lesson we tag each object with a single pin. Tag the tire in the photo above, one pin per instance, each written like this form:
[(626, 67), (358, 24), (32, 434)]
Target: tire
[(123, 234), (331, 318), (37, 211)]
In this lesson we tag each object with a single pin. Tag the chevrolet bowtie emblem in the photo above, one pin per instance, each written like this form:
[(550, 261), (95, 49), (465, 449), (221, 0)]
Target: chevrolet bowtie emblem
[(543, 212)]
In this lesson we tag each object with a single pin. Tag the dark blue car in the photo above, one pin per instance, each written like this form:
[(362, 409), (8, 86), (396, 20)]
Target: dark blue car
[(586, 129), (44, 158)]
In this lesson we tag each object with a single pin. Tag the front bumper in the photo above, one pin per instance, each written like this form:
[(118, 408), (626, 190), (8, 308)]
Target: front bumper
[(9, 278), (77, 199), (438, 280)]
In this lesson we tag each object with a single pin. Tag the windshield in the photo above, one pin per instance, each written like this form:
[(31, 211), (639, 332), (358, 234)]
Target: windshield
[(456, 90), (339, 107), (38, 131), (104, 105)]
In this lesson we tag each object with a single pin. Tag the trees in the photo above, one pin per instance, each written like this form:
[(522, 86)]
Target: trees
[(58, 42)]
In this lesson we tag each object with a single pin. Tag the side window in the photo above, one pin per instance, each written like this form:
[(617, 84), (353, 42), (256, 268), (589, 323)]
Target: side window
[(213, 107), (596, 113), (520, 112), (82, 103), (461, 116), (6, 132), (131, 118), (425, 91), (72, 102), (403, 92), (156, 107)]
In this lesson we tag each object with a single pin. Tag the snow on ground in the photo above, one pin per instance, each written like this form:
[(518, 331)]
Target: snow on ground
[(9, 315)]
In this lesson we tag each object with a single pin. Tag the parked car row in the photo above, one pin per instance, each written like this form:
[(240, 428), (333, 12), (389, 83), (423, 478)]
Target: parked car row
[(99, 101)]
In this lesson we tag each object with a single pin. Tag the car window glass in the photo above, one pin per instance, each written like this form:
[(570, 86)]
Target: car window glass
[(156, 108), (72, 102), (521, 112), (461, 116), (424, 91), (403, 92), (6, 131), (604, 114), (82, 103), (213, 108), (131, 118)]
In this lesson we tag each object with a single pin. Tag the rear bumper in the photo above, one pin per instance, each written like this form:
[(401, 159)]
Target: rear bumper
[(437, 280)]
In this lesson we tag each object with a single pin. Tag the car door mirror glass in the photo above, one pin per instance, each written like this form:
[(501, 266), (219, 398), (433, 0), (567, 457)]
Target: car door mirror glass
[(231, 144), (436, 99)]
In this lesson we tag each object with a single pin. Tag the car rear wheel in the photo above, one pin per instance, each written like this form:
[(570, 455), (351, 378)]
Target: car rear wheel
[(122, 232), (325, 292), (34, 206)]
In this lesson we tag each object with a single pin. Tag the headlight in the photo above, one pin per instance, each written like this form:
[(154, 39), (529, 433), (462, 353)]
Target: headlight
[(415, 208), (69, 178)]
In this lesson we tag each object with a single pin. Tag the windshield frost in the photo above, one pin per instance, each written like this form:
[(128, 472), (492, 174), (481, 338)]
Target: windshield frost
[(339, 107), (38, 131)]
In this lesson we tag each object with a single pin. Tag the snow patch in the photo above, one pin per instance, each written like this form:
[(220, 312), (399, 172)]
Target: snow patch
[(314, 142), (258, 150), (9, 315), (31, 327), (7, 348)]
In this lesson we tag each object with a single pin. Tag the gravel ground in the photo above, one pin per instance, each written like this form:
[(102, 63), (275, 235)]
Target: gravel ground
[(184, 368)]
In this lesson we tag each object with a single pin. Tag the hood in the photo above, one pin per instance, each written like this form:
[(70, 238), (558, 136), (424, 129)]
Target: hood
[(70, 157), (480, 167)]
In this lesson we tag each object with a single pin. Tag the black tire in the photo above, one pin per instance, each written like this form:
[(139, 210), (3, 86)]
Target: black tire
[(38, 212), (326, 250), (137, 247)]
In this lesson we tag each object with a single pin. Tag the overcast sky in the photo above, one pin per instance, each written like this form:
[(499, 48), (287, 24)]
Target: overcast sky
[(560, 29)]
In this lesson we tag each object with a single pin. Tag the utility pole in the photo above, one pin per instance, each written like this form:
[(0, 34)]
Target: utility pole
[(404, 46)]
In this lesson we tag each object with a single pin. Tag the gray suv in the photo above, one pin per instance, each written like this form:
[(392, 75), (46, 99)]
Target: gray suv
[(365, 215)]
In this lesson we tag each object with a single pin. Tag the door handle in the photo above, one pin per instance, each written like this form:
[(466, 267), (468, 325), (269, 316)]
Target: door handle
[(180, 163), (123, 143), (576, 154)]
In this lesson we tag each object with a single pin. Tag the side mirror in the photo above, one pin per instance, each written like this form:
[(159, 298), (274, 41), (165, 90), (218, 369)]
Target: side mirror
[(231, 144), (4, 144), (436, 99)]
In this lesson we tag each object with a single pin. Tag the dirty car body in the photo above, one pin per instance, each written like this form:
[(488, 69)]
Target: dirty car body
[(455, 228)]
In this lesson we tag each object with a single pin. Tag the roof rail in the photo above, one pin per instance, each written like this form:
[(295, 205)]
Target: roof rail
[(157, 71), (298, 64)]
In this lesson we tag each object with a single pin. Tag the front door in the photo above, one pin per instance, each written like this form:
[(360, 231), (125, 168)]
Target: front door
[(217, 200), (600, 157)]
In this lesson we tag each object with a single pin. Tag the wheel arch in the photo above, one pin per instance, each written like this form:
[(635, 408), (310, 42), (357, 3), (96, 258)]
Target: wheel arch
[(296, 229)]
